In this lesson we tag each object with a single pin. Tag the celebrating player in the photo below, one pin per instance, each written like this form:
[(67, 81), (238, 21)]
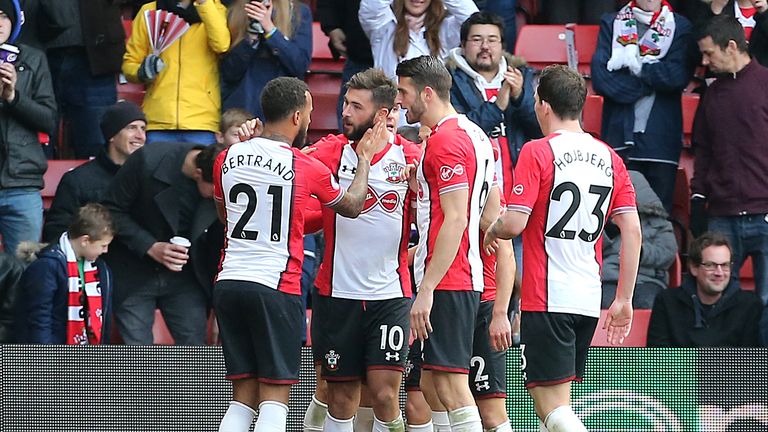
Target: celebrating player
[(261, 189), (566, 186), (455, 181)]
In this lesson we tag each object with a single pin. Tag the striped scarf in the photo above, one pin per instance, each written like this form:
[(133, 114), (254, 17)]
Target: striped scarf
[(84, 311)]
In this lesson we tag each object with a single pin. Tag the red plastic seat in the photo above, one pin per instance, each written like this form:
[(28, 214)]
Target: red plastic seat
[(52, 177), (322, 58), (676, 273), (542, 45), (160, 333), (592, 116), (325, 95), (131, 92), (127, 27), (585, 38), (747, 275), (690, 103), (638, 335)]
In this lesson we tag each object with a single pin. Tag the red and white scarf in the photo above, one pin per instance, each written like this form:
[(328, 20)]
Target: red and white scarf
[(84, 307), (628, 49)]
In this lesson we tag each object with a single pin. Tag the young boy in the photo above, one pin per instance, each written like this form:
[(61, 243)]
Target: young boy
[(64, 296), (230, 123)]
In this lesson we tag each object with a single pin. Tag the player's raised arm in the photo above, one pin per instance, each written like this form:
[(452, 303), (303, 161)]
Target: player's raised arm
[(352, 203), (619, 319)]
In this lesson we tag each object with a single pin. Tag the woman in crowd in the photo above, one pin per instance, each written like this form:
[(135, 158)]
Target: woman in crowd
[(269, 39), (183, 101)]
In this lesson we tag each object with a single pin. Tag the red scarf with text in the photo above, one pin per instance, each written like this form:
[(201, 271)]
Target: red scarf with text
[(84, 307)]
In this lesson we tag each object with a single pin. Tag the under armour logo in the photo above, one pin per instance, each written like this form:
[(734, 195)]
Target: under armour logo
[(392, 356), (345, 168), (482, 386)]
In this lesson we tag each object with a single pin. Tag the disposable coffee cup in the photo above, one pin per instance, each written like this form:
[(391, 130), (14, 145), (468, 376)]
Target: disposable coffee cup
[(8, 53), (181, 241)]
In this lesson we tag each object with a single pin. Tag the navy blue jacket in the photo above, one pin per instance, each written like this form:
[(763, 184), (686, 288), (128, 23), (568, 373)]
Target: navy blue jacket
[(42, 299), (519, 117), (663, 137), (245, 70)]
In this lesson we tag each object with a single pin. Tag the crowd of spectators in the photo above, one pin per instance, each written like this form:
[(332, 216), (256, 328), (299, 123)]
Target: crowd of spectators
[(62, 59)]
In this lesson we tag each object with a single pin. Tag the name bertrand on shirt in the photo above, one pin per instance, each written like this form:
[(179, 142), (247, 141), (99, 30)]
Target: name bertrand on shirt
[(258, 161)]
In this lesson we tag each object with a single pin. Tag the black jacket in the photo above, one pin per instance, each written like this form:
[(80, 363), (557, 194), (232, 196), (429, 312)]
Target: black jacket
[(145, 200), (678, 319), (93, 24), (10, 273), (84, 184), (22, 161)]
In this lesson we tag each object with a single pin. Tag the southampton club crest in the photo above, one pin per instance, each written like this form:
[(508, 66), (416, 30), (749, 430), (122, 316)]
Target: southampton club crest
[(394, 172), (332, 360)]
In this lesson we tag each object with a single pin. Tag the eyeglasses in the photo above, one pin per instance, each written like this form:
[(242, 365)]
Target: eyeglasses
[(712, 266), (478, 40)]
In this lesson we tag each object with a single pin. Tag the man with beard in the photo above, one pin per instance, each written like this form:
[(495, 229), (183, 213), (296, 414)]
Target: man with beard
[(494, 90), (456, 194), (372, 294), (262, 187)]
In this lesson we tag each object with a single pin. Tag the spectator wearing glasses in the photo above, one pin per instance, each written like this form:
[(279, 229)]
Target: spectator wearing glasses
[(708, 310)]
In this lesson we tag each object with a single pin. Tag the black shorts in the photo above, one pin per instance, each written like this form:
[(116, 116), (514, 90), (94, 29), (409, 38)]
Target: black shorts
[(554, 346), (350, 337), (487, 374), (413, 366), (449, 346), (260, 331)]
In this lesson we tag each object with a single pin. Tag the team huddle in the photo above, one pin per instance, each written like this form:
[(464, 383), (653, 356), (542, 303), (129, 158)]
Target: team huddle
[(450, 293)]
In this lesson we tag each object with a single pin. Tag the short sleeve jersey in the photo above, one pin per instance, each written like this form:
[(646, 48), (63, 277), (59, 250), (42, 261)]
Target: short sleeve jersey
[(366, 258), (570, 184), (265, 187), (458, 155)]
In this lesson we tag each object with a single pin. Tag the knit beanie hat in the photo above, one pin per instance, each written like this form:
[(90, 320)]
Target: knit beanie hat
[(119, 116)]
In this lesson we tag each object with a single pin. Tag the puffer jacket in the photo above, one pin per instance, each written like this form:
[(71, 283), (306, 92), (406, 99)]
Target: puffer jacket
[(42, 299), (185, 95), (659, 243), (22, 161)]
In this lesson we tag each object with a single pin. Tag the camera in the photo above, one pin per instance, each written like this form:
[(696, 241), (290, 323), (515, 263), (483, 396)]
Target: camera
[(255, 27)]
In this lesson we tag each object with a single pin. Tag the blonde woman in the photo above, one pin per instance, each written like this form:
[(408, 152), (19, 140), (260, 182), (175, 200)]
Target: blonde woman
[(269, 39), (404, 29)]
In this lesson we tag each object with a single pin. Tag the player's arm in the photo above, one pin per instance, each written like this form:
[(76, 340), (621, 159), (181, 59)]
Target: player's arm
[(492, 208), (352, 203), (508, 226), (221, 211), (454, 207), (619, 319), (500, 327)]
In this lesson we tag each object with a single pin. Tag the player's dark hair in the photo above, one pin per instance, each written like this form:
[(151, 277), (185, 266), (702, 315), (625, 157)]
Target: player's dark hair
[(723, 29), (282, 97), (205, 159), (427, 71), (564, 90), (704, 241), (383, 89), (93, 220), (481, 18)]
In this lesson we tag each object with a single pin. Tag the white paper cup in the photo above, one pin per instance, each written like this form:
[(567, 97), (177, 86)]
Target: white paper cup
[(181, 241)]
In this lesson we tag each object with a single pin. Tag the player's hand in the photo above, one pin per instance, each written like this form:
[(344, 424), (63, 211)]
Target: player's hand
[(500, 331), (172, 256), (373, 140), (409, 174), (250, 129), (420, 310), (308, 150), (618, 321), (490, 242)]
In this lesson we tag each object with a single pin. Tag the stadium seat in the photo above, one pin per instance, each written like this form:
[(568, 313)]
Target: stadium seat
[(160, 333), (127, 27), (676, 273), (747, 275), (585, 37), (637, 335), (322, 58), (542, 45), (690, 104), (56, 169), (325, 95), (131, 92), (592, 116)]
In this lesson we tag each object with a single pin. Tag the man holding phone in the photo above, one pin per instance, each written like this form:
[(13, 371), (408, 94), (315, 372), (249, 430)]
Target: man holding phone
[(28, 107)]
